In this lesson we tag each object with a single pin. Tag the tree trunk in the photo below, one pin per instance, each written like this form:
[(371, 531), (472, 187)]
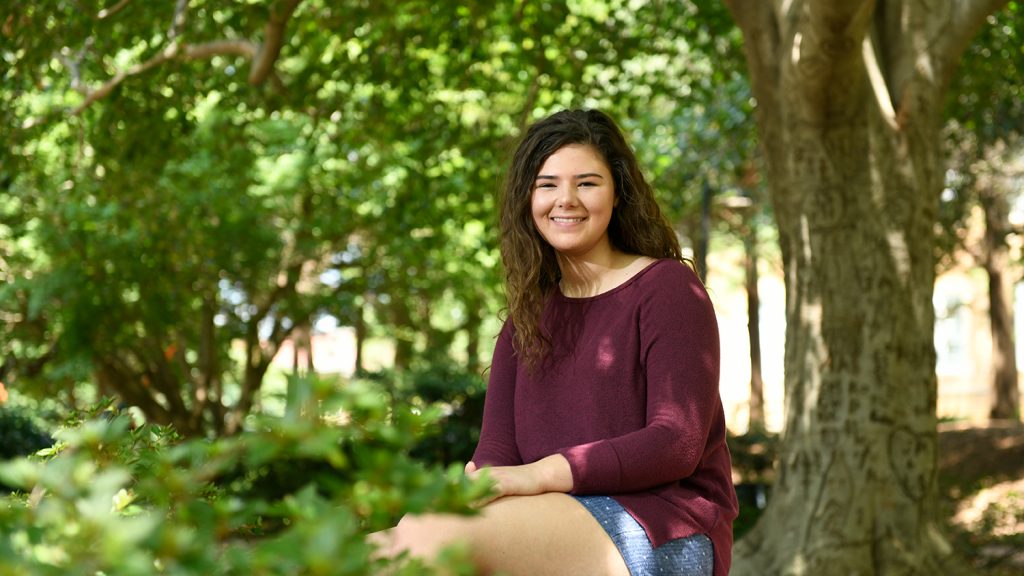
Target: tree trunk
[(360, 337), (302, 349), (257, 360), (206, 397), (704, 239), (849, 98), (1006, 396), (756, 417), (401, 317), (472, 327)]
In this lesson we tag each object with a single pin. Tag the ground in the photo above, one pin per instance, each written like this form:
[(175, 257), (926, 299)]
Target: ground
[(981, 476)]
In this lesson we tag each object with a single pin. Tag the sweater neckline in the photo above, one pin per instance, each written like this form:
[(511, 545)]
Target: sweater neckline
[(629, 282)]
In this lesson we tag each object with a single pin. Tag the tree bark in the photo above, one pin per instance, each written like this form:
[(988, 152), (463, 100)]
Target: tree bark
[(360, 337), (849, 99), (1006, 395), (755, 420), (273, 40), (209, 389), (257, 360), (472, 327), (401, 317), (302, 349), (704, 240)]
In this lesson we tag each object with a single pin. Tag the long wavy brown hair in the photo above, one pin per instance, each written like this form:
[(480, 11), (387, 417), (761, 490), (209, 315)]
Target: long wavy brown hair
[(531, 269)]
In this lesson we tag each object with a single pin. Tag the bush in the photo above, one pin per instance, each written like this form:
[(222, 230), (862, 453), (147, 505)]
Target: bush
[(459, 397), (293, 495), (19, 434), (753, 461)]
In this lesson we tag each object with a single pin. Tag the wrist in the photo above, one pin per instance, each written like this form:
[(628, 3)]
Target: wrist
[(554, 474)]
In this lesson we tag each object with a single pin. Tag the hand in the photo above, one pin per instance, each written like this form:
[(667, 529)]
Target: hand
[(508, 480), (551, 474)]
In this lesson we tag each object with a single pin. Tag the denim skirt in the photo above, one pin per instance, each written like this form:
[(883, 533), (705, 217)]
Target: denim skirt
[(690, 556)]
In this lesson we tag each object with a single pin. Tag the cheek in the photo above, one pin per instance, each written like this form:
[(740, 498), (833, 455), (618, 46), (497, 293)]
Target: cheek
[(537, 208)]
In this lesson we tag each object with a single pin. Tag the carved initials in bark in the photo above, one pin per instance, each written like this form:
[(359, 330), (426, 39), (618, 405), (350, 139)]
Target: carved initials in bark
[(911, 458)]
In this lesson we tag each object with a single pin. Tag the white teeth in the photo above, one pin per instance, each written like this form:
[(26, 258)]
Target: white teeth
[(557, 219)]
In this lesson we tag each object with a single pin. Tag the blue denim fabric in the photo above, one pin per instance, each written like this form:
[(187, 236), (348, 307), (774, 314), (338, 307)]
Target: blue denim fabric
[(691, 556)]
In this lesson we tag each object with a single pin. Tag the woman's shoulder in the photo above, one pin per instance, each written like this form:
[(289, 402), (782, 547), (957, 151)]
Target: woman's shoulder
[(671, 281), (668, 270)]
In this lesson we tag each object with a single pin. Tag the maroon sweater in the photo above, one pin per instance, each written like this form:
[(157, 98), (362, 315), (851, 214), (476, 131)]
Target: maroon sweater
[(629, 396)]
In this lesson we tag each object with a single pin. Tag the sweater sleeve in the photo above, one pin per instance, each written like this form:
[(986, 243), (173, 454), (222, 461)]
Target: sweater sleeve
[(679, 349), (497, 444)]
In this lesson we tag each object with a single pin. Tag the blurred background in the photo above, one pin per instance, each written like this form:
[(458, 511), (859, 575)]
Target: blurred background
[(201, 201)]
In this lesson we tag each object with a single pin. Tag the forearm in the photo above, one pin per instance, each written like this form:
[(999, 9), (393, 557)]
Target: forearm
[(553, 474)]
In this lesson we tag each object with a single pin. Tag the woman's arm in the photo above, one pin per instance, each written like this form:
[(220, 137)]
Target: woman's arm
[(550, 474), (497, 444)]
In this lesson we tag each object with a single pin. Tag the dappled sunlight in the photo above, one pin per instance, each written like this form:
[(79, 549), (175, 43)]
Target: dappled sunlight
[(997, 509), (605, 354)]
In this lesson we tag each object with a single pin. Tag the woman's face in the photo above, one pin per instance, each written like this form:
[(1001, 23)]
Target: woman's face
[(572, 202)]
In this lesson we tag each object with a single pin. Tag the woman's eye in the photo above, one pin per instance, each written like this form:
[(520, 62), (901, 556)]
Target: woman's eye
[(583, 184)]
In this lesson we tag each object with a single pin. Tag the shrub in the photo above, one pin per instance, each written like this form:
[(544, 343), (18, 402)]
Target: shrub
[(19, 434), (456, 393), (293, 495)]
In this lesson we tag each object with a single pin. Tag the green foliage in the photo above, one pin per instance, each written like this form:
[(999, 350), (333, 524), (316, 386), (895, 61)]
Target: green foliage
[(754, 455), (293, 495), (985, 130), (186, 211), (19, 434), (456, 393), (752, 500), (987, 94)]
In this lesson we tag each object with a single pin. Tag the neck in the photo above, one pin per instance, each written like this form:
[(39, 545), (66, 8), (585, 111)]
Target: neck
[(587, 275)]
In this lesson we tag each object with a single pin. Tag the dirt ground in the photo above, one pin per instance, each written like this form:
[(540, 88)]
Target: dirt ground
[(981, 472)]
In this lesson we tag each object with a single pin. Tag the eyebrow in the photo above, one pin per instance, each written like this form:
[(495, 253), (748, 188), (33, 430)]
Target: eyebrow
[(578, 176)]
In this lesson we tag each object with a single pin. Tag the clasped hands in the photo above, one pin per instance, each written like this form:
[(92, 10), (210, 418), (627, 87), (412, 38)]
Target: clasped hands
[(550, 474)]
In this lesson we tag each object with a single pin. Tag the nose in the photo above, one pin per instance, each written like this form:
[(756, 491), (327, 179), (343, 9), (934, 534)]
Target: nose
[(566, 196)]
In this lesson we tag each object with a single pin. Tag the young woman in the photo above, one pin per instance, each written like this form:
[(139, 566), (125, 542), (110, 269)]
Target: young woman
[(603, 429)]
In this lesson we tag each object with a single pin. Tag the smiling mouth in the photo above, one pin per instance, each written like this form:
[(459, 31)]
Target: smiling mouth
[(563, 220)]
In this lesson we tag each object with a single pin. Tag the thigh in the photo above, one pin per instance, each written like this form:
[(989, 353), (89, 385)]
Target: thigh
[(536, 535)]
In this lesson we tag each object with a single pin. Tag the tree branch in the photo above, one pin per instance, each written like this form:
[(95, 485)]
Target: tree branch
[(273, 40), (109, 85), (121, 381), (966, 19), (262, 57), (74, 64), (108, 12), (877, 81), (182, 51), (218, 48), (760, 26), (760, 40), (825, 56), (178, 22)]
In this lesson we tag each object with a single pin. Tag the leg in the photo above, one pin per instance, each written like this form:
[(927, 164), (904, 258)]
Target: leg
[(519, 535)]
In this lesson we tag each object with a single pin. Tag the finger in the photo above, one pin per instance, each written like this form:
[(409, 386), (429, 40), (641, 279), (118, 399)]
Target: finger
[(470, 467), (480, 503)]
